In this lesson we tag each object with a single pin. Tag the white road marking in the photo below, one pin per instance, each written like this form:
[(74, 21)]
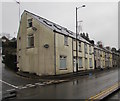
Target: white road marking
[(8, 84), (10, 90), (39, 84), (31, 85)]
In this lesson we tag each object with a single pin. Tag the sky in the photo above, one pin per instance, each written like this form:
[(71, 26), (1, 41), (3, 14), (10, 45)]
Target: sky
[(99, 19)]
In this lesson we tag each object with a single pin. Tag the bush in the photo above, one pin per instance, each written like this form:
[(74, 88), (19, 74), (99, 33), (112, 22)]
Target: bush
[(10, 61)]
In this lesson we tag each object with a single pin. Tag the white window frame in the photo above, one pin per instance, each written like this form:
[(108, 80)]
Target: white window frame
[(80, 49), (85, 47), (90, 50), (30, 44), (80, 62), (90, 63), (66, 40), (63, 66)]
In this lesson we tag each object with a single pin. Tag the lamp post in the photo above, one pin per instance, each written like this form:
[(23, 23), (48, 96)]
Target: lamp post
[(76, 38), (18, 2)]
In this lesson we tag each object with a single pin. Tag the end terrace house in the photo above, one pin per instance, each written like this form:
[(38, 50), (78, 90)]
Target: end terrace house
[(46, 48)]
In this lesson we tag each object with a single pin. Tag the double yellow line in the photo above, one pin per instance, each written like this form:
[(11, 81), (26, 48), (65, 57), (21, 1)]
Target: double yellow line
[(104, 92)]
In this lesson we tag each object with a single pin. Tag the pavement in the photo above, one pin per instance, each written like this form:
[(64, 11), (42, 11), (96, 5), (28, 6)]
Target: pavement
[(62, 76)]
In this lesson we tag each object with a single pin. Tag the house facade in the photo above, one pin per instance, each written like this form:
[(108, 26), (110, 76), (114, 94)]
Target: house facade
[(108, 58), (46, 48), (99, 57), (115, 57), (103, 57)]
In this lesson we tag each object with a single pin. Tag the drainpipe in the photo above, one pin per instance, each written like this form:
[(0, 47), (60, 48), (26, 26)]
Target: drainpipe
[(55, 53)]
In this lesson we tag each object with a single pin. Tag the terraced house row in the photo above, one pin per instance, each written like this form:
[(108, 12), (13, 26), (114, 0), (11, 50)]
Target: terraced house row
[(46, 48)]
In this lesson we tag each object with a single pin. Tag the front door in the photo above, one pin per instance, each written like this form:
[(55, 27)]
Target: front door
[(74, 64), (86, 64), (95, 64)]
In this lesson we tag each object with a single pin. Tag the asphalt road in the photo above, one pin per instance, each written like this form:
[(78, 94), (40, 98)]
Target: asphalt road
[(82, 87), (79, 88)]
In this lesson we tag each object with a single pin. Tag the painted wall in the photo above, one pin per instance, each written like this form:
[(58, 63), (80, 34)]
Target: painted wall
[(83, 55), (37, 60), (63, 50)]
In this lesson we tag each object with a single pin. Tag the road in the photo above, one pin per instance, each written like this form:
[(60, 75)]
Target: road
[(79, 88), (82, 87)]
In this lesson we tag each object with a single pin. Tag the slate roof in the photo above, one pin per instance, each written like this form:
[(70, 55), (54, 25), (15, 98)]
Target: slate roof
[(57, 28)]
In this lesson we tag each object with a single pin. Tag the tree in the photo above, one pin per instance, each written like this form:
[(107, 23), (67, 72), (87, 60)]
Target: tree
[(9, 52)]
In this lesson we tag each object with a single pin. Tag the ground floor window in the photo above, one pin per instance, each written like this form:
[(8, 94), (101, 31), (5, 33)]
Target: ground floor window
[(63, 62), (80, 62), (90, 62), (86, 63)]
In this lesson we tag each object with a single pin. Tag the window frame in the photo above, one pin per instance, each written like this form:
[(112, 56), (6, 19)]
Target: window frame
[(29, 44), (90, 49), (80, 46), (29, 22), (80, 65), (90, 63), (62, 57), (65, 40), (85, 48)]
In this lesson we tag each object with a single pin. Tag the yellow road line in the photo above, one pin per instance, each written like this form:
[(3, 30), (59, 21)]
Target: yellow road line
[(100, 92), (104, 91)]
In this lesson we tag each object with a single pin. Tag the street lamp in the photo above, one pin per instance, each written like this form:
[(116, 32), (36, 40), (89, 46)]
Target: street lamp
[(18, 2), (76, 38)]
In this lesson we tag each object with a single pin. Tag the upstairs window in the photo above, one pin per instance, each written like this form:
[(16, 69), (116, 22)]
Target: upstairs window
[(90, 50), (65, 40), (79, 47), (95, 52), (30, 41), (29, 22), (85, 48)]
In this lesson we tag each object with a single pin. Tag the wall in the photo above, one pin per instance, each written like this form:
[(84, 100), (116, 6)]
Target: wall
[(61, 49), (37, 60)]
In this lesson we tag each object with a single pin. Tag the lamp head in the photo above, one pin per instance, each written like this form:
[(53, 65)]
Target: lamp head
[(83, 5)]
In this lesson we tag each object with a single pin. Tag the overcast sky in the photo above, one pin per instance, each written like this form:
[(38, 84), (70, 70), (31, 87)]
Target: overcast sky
[(100, 19)]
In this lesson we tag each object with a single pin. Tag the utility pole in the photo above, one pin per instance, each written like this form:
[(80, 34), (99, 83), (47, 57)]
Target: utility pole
[(76, 38)]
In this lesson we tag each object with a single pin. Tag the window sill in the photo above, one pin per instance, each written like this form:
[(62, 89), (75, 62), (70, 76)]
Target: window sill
[(80, 67), (29, 27), (62, 68), (91, 67), (29, 47), (66, 45)]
